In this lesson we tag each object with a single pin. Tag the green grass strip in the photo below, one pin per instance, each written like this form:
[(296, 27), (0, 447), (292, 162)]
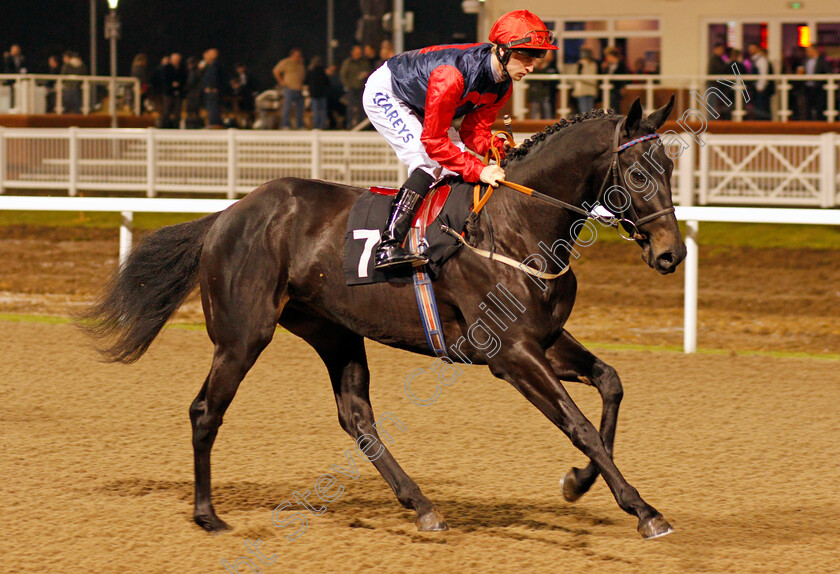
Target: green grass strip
[(58, 320), (700, 351)]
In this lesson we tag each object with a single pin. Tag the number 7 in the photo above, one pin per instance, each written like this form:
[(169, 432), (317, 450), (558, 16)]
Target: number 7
[(371, 237)]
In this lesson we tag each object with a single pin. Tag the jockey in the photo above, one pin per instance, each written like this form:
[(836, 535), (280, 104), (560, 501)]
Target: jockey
[(413, 97)]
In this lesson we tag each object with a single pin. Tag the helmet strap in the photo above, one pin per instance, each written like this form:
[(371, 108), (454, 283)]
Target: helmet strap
[(503, 53)]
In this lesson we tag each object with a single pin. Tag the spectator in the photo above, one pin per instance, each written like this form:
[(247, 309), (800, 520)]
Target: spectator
[(174, 80), (53, 68), (14, 62), (72, 97), (318, 85), (541, 92), (194, 89), (354, 72), (336, 110), (815, 94), (764, 88), (639, 66), (386, 50), (290, 73), (140, 71), (243, 96), (719, 67), (794, 63), (212, 84), (371, 56), (156, 85), (614, 65), (585, 91), (736, 58)]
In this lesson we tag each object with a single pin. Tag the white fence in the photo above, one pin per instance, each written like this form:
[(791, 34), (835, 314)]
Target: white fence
[(644, 85), (728, 169), (691, 215), (27, 93), (152, 161)]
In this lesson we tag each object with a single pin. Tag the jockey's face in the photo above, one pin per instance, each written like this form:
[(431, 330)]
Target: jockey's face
[(520, 64)]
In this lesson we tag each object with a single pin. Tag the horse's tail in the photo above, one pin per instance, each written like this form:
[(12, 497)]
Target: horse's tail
[(146, 290)]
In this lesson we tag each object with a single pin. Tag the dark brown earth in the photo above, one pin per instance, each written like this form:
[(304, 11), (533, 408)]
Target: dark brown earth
[(750, 299)]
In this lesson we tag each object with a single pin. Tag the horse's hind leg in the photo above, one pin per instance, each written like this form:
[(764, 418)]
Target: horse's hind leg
[(343, 353), (573, 362), (241, 323)]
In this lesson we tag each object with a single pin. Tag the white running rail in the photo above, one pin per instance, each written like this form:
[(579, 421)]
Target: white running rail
[(691, 215), (728, 169)]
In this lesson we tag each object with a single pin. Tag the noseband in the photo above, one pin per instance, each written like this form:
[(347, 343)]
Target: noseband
[(615, 173)]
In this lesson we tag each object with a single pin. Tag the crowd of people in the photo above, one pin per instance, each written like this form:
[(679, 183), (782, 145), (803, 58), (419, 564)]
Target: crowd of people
[(193, 92), (196, 92)]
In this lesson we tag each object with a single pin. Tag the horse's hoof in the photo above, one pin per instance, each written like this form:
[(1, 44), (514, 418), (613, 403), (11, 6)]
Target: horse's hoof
[(654, 527), (212, 523), (432, 521), (569, 486)]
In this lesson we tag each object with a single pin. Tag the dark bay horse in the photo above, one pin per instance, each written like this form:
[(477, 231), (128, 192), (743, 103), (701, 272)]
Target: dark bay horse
[(276, 257)]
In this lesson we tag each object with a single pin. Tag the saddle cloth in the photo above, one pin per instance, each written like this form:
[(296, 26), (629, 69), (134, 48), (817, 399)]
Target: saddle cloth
[(449, 203)]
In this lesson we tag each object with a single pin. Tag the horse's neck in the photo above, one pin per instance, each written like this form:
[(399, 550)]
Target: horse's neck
[(528, 221)]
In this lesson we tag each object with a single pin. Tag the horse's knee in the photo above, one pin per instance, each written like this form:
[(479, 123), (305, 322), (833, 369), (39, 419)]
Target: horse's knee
[(609, 383)]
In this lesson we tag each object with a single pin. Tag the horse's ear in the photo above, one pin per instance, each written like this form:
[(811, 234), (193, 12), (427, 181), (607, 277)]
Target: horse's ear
[(634, 117), (660, 116)]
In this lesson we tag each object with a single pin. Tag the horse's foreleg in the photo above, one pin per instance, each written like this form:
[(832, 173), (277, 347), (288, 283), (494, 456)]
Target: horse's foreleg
[(344, 355), (573, 362), (528, 370)]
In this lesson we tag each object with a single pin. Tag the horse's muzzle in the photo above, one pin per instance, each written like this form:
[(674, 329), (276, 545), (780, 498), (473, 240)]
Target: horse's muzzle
[(668, 260)]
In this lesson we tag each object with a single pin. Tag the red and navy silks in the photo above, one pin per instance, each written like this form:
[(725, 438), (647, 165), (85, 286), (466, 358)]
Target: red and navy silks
[(441, 83)]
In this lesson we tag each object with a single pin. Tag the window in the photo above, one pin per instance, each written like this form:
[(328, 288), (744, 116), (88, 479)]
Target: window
[(638, 40)]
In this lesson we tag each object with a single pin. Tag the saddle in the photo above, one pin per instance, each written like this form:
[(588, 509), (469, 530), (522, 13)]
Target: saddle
[(448, 204)]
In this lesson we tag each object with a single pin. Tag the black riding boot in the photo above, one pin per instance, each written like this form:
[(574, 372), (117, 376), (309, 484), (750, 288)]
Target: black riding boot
[(408, 200)]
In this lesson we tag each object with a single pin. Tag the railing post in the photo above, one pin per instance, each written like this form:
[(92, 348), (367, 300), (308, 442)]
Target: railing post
[(690, 304), (3, 160), (828, 169), (738, 113), (20, 95), (563, 91), (606, 86), (831, 109), (649, 105), (316, 172), (136, 88), (703, 173), (59, 96), (520, 105), (126, 221), (784, 111), (686, 177), (73, 145), (85, 96), (231, 171), (151, 163)]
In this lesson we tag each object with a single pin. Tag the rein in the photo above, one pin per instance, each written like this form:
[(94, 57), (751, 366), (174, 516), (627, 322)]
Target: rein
[(614, 172)]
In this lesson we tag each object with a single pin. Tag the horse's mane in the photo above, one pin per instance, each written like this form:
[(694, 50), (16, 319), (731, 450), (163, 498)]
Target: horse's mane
[(521, 151)]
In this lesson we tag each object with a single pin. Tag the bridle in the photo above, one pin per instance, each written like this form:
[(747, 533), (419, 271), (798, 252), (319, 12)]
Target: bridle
[(613, 174)]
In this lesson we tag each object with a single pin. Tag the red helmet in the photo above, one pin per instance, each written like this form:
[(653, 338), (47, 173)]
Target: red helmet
[(522, 30)]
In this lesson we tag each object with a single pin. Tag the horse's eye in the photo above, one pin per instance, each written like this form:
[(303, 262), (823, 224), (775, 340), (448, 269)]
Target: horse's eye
[(637, 176)]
